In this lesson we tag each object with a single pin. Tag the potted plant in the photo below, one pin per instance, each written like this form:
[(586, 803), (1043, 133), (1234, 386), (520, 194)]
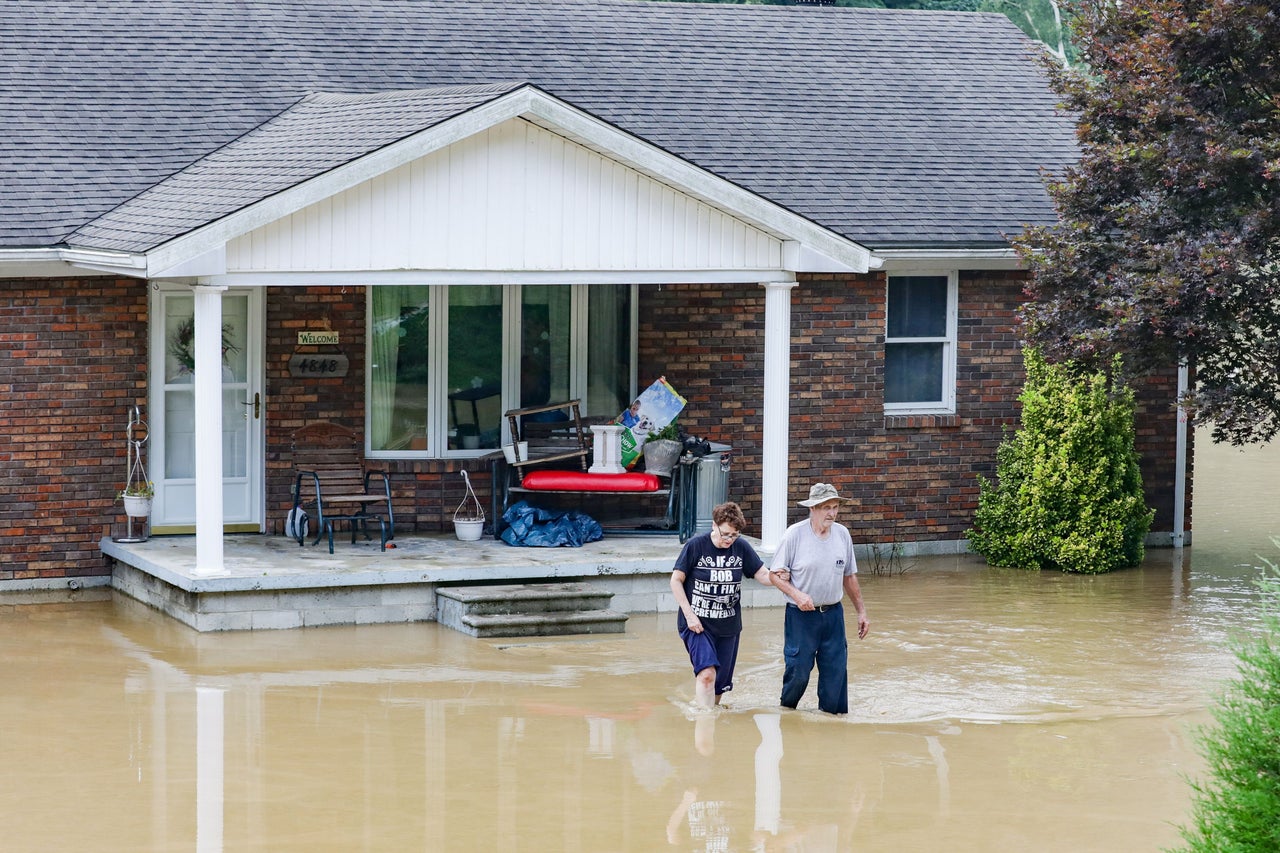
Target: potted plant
[(137, 498), (662, 449)]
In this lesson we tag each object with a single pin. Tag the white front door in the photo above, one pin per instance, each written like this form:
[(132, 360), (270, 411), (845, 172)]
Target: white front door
[(171, 457)]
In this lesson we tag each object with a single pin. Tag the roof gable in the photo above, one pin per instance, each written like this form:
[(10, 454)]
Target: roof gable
[(512, 197), (331, 145)]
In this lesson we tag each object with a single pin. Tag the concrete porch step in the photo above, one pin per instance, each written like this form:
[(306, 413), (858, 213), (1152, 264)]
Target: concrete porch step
[(527, 610), (526, 598), (551, 624)]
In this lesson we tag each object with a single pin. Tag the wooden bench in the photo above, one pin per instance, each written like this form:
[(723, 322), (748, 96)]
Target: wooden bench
[(564, 443), (333, 482)]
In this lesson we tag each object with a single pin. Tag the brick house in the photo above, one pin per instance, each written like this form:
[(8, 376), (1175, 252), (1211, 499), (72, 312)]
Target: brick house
[(800, 216)]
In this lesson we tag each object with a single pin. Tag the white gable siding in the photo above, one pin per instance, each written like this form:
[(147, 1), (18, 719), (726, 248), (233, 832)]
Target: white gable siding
[(515, 197)]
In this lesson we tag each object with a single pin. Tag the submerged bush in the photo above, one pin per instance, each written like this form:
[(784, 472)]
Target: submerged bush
[(1068, 493), (1238, 807)]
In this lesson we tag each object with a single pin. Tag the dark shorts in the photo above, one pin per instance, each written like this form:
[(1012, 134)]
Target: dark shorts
[(706, 650)]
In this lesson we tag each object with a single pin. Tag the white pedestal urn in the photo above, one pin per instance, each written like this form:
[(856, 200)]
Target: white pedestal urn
[(660, 456), (606, 449)]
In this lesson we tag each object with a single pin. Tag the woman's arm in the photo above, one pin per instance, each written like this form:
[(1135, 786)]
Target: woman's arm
[(682, 601)]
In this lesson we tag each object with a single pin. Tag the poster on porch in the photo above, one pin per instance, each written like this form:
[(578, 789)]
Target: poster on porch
[(657, 406)]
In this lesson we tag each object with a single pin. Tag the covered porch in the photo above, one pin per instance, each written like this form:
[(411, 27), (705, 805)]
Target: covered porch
[(270, 582), (509, 188)]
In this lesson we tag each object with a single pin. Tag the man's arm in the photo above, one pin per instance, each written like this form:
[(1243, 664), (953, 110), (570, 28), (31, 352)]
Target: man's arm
[(855, 595)]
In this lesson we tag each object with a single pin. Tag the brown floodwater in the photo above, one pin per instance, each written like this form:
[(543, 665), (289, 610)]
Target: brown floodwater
[(991, 710)]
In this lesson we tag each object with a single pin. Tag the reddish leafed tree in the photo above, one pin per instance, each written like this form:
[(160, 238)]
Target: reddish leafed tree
[(1168, 240)]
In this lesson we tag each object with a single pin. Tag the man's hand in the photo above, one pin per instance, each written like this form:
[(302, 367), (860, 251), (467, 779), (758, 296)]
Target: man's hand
[(695, 624), (803, 600), (863, 625)]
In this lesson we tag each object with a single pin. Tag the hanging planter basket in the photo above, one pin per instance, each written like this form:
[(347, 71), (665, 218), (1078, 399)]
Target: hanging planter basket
[(468, 518), (138, 491), (136, 506)]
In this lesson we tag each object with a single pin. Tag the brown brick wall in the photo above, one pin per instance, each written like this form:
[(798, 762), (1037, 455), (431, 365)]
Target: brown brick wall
[(73, 359), (910, 478)]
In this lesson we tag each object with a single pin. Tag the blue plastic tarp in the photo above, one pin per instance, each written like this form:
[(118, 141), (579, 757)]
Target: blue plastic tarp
[(528, 525)]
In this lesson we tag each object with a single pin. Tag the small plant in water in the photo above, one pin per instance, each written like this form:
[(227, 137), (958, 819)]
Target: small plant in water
[(886, 558)]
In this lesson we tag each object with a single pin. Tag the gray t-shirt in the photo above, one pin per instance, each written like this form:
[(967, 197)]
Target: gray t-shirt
[(817, 565)]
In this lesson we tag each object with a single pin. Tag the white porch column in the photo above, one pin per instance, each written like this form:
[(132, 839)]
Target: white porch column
[(775, 463), (208, 427)]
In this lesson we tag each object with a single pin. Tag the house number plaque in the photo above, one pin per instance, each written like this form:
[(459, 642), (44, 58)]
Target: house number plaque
[(318, 365)]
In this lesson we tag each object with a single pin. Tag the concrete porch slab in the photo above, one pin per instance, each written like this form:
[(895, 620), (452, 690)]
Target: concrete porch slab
[(269, 582)]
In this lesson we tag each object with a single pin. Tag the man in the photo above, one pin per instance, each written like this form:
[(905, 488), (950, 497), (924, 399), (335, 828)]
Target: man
[(814, 567)]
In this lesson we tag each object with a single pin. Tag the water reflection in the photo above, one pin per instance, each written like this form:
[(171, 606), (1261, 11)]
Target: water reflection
[(990, 710)]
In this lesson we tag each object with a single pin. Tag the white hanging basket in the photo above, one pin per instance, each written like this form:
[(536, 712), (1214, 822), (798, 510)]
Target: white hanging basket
[(468, 530), (468, 518), (136, 506)]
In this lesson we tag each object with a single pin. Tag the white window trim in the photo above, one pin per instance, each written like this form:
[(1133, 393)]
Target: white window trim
[(947, 405)]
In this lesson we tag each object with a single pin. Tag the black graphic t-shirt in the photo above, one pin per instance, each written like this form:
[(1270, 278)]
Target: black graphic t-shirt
[(713, 582)]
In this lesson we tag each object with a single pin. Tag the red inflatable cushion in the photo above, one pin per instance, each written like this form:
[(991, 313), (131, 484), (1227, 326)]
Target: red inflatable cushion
[(581, 481)]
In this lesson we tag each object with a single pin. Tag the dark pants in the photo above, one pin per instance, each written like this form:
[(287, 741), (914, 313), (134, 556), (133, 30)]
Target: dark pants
[(811, 636), (706, 650)]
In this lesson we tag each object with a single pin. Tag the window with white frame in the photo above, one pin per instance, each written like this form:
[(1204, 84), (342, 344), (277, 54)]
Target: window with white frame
[(920, 343), (446, 361)]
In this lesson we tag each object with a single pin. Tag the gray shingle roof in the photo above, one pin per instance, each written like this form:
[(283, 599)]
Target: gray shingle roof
[(891, 128), (317, 134)]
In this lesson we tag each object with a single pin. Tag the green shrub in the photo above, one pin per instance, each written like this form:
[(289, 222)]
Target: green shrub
[(1068, 493), (1238, 808)]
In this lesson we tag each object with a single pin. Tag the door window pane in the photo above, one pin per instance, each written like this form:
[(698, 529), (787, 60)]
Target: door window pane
[(398, 368), (179, 398), (179, 338)]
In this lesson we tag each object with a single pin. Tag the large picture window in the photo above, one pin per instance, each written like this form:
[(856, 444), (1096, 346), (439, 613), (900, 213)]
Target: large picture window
[(920, 343), (446, 361)]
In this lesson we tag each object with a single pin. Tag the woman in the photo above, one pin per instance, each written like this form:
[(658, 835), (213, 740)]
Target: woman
[(707, 585)]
